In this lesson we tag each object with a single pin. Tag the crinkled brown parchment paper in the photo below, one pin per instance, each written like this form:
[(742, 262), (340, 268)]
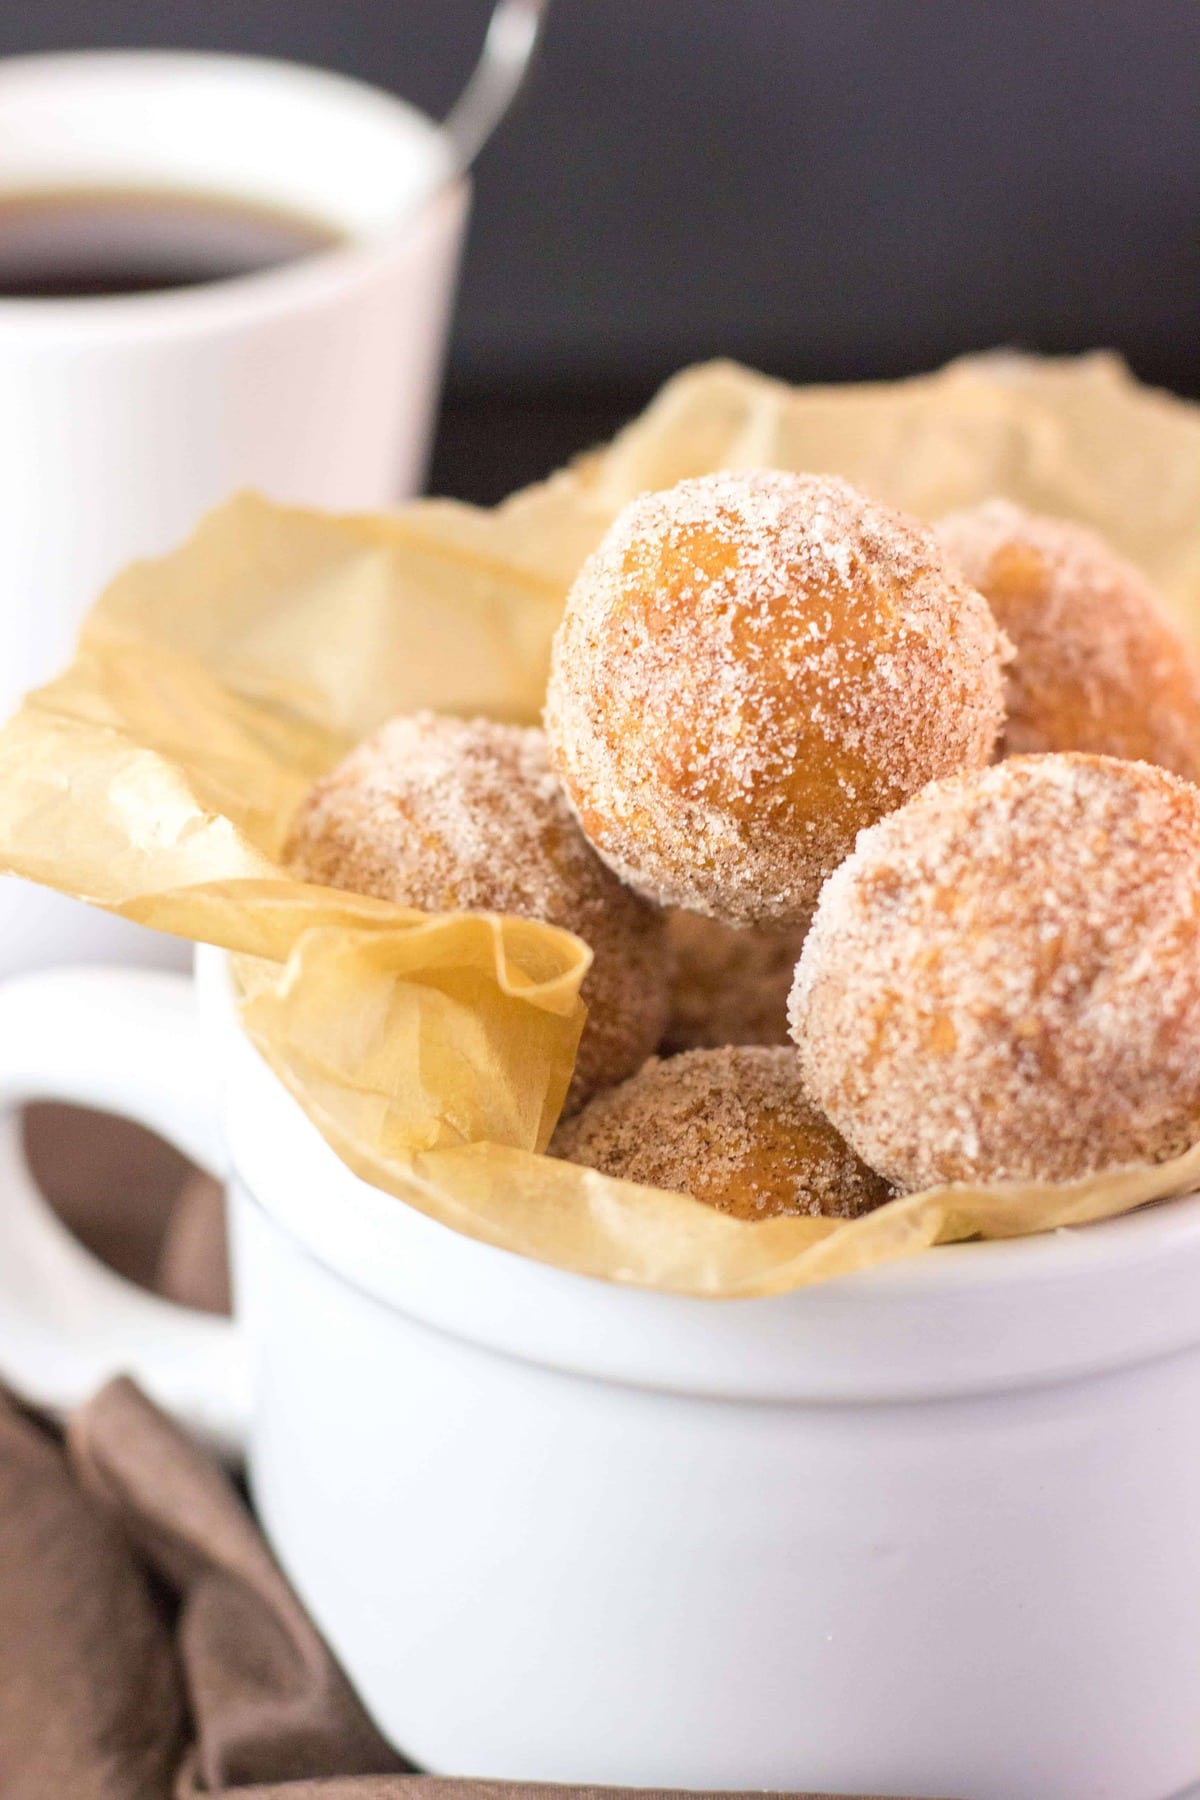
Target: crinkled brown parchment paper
[(157, 777)]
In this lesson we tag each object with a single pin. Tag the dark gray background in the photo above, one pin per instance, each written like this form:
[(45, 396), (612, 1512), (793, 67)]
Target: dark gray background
[(827, 188)]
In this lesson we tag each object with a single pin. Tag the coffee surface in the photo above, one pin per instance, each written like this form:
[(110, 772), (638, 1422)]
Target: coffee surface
[(79, 243)]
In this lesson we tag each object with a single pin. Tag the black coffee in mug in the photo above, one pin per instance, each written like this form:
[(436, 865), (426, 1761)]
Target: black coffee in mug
[(80, 243)]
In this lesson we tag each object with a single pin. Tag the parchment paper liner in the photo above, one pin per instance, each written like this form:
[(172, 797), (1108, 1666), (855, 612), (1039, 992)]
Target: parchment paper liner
[(157, 776)]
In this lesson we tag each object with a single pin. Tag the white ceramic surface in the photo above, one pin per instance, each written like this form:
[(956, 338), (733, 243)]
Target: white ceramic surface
[(125, 418), (928, 1530)]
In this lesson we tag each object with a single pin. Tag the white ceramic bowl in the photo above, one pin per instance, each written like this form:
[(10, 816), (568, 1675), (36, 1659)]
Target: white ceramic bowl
[(931, 1529)]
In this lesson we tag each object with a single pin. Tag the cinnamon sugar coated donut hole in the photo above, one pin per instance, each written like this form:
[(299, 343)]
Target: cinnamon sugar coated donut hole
[(1003, 981), (1100, 666), (451, 815), (731, 1127), (729, 983), (751, 667)]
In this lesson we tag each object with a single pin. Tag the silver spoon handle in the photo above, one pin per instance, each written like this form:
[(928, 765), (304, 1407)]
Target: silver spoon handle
[(512, 36)]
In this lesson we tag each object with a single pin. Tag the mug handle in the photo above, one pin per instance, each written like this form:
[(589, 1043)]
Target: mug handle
[(126, 1041)]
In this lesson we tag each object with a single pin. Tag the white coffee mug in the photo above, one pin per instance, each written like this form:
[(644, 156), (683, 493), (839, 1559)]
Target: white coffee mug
[(927, 1530), (124, 418)]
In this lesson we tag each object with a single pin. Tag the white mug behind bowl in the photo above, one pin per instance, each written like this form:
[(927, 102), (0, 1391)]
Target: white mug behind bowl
[(125, 417), (931, 1529)]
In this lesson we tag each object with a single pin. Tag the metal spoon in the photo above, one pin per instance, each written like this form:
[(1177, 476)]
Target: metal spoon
[(512, 37)]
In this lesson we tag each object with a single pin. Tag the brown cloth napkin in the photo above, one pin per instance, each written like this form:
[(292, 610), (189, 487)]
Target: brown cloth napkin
[(133, 1200), (150, 1647)]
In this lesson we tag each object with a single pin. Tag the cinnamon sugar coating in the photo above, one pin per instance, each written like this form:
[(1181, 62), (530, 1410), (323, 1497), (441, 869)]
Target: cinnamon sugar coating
[(749, 669), (1003, 981), (450, 814), (729, 983), (1100, 666), (733, 1128)]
